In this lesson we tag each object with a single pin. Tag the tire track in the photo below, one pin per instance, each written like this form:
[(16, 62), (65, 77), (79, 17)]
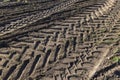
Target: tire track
[(61, 58)]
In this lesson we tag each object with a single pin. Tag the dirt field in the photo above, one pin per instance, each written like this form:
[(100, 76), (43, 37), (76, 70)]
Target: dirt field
[(60, 40)]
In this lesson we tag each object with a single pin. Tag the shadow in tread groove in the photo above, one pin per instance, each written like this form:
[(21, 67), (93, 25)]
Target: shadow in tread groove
[(46, 57), (34, 63), (22, 69), (10, 72), (66, 47), (104, 70), (56, 52)]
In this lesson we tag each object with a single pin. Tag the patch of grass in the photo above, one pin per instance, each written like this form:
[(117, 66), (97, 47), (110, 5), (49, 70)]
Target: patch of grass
[(116, 59), (115, 50), (110, 41), (6, 0), (93, 35), (103, 30), (118, 50)]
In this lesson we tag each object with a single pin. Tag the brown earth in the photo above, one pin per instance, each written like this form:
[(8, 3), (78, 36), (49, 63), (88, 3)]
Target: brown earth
[(60, 40)]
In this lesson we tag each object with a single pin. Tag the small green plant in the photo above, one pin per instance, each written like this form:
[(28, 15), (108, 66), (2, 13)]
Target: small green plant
[(93, 35), (109, 41), (22, 1), (116, 59), (116, 50), (103, 30), (6, 0)]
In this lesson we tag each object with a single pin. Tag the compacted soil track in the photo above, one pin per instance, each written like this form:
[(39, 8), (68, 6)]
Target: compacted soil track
[(67, 40)]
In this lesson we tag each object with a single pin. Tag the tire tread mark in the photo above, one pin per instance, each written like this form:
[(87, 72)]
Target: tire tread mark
[(11, 70), (22, 69), (34, 64)]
